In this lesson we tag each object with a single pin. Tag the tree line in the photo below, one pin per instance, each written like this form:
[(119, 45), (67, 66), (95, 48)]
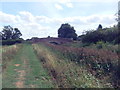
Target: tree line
[(10, 35), (111, 35)]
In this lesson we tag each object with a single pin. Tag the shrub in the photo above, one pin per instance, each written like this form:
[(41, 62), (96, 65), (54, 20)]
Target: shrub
[(111, 35), (103, 60), (100, 44), (11, 42)]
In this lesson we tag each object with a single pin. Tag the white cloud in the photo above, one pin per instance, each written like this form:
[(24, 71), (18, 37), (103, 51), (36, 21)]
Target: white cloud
[(42, 26), (62, 1), (26, 22), (6, 18), (26, 16), (70, 5), (67, 3), (59, 7), (42, 19)]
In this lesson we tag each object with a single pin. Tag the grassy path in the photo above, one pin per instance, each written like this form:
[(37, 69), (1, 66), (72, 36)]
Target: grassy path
[(26, 71)]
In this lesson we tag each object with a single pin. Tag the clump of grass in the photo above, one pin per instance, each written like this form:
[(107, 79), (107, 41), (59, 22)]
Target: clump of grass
[(8, 52)]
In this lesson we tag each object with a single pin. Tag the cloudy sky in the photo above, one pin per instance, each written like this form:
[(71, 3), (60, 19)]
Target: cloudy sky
[(42, 18)]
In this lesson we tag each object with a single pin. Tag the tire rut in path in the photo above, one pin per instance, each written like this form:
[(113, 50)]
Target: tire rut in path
[(20, 82), (21, 74), (30, 73)]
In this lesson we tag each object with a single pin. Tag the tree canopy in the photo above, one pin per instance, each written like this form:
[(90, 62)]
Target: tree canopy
[(10, 36), (107, 35), (67, 31), (99, 27), (9, 33), (119, 19)]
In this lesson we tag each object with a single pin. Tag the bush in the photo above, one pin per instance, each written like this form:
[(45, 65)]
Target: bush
[(111, 35), (93, 37), (100, 44), (11, 42)]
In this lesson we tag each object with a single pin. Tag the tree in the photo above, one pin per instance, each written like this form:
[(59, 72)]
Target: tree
[(67, 31), (0, 36), (16, 34), (119, 19), (117, 40), (93, 37), (100, 27), (9, 33)]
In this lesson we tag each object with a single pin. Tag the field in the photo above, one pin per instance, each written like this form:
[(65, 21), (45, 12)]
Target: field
[(59, 63)]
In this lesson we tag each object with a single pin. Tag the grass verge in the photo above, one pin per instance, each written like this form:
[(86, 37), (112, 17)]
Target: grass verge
[(64, 72)]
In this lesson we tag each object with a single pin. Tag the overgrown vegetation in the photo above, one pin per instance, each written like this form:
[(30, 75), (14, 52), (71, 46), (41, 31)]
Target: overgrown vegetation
[(102, 63), (111, 35), (64, 72), (8, 52)]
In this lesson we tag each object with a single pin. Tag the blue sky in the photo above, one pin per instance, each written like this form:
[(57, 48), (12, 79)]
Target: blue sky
[(44, 8), (41, 19)]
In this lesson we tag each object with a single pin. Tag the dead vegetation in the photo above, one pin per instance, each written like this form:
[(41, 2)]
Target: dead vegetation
[(8, 52), (66, 73)]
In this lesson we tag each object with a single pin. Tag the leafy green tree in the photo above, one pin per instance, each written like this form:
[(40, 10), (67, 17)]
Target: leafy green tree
[(119, 19), (93, 37), (100, 27), (9, 33), (117, 40), (111, 35), (67, 31), (16, 34), (0, 36)]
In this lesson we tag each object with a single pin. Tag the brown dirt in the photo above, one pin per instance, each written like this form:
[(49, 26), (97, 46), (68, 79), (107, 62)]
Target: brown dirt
[(17, 65), (20, 82), (21, 75)]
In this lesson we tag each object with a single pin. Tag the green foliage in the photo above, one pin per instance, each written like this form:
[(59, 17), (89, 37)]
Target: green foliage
[(66, 31), (99, 27), (11, 42), (93, 37), (10, 36), (9, 33), (100, 44), (111, 35), (118, 19)]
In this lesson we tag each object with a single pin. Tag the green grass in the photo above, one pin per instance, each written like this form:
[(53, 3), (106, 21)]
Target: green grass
[(35, 75), (0, 79), (10, 75), (38, 75)]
